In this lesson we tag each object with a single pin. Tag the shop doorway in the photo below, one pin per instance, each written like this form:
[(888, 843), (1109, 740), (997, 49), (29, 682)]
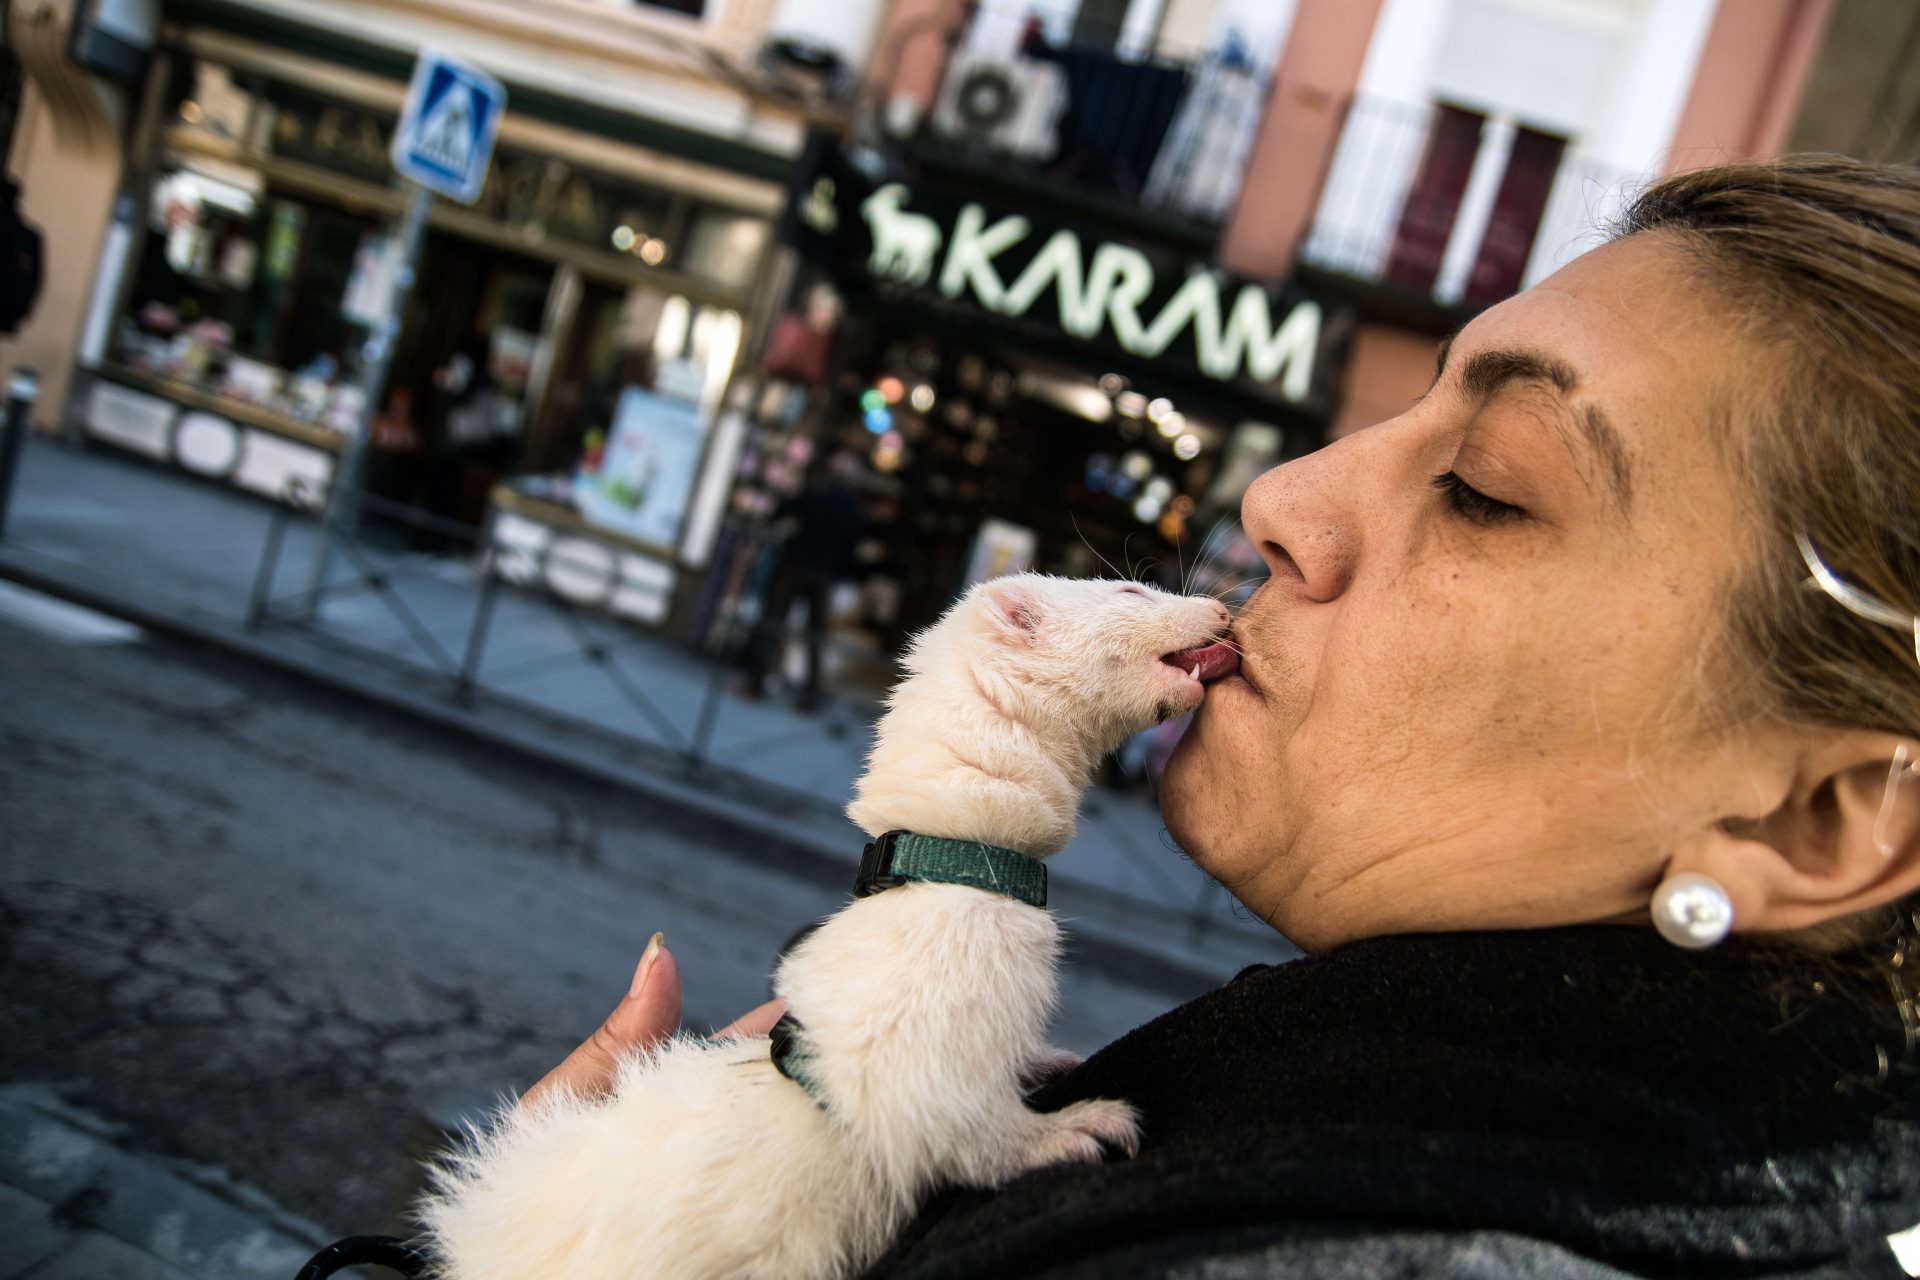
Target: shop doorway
[(451, 421), (610, 346)]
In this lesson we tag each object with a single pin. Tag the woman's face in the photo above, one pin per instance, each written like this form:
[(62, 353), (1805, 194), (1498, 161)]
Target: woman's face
[(1467, 696)]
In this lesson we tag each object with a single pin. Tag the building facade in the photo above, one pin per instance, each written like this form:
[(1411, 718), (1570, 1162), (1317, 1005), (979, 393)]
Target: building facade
[(1060, 277), (618, 260), (1863, 94), (1102, 262), (1470, 147)]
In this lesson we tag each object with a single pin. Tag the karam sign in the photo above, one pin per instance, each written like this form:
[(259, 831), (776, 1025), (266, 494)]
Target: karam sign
[(1059, 280)]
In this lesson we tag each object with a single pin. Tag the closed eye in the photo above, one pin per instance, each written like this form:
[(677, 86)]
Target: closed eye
[(1474, 505), (1131, 591)]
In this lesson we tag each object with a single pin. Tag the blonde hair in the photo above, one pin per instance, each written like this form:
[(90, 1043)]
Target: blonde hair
[(1819, 257)]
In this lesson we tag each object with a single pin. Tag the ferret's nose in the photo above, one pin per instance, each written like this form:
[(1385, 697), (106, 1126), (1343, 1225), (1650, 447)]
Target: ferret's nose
[(1225, 614)]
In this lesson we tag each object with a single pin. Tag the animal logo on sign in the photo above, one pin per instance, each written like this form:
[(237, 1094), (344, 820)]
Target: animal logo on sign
[(904, 244)]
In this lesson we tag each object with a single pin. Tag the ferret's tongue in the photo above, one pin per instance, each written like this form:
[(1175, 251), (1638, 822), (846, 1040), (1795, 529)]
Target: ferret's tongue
[(1213, 661)]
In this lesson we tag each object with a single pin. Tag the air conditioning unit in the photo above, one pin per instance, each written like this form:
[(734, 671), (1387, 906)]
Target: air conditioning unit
[(1010, 106)]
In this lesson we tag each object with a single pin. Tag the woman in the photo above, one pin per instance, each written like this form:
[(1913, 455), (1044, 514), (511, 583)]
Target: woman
[(1528, 653)]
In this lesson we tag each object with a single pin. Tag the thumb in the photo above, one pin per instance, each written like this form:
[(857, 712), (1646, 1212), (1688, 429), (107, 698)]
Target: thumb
[(649, 1013), (651, 1010)]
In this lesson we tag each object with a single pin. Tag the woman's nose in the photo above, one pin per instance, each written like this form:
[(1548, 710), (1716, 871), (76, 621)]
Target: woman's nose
[(1300, 517)]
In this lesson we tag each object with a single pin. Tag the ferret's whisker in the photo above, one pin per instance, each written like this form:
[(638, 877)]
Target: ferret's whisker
[(1218, 590), (1219, 546), (1089, 546)]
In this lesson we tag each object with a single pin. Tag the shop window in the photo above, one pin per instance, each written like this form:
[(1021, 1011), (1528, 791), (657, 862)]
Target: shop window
[(725, 246), (211, 100), (635, 387), (251, 295), (639, 337)]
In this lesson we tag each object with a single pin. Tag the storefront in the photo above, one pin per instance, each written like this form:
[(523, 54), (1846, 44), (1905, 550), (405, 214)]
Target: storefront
[(589, 306), (1027, 392)]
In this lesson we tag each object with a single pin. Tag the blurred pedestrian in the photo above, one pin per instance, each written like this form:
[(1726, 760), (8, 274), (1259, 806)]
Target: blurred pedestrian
[(824, 524), (466, 458)]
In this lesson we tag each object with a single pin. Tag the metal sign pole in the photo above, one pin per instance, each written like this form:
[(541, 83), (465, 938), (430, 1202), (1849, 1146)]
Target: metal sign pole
[(442, 143), (22, 390), (376, 362)]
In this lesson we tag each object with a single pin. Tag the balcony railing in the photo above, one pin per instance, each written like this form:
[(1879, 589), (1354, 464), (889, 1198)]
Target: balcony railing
[(1026, 97), (1453, 205)]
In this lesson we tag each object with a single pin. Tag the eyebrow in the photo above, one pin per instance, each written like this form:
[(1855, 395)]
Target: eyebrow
[(1490, 372)]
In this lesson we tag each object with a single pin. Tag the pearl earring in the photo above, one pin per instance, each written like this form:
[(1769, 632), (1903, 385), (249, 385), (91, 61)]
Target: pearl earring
[(1692, 910)]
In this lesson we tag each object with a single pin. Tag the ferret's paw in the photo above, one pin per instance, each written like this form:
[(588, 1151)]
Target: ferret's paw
[(1074, 1134), (1048, 1067)]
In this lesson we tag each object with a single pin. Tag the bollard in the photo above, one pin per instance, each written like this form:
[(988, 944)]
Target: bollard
[(22, 391)]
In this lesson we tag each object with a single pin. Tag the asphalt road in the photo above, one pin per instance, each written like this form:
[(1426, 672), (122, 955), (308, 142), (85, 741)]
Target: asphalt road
[(269, 929)]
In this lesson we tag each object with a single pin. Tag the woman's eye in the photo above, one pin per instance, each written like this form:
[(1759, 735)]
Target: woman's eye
[(1473, 504)]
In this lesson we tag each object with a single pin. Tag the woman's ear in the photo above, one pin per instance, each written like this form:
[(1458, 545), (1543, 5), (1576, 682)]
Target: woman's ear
[(1845, 838)]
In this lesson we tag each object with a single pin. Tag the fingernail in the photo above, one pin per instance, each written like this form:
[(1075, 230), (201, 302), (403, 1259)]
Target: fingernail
[(645, 968)]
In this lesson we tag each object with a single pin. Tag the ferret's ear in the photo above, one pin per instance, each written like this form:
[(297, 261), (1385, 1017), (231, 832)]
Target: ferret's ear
[(1012, 609)]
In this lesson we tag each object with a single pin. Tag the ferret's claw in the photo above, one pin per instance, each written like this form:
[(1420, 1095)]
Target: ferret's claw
[(1074, 1134)]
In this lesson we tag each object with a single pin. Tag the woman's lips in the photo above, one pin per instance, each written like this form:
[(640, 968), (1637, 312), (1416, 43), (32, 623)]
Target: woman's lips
[(1207, 663)]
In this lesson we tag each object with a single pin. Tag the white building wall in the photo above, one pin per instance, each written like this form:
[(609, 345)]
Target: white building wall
[(1261, 24), (1610, 75), (1538, 62), (1630, 125), (1402, 58)]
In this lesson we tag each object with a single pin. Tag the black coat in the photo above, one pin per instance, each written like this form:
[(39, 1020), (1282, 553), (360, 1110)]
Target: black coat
[(1576, 1102)]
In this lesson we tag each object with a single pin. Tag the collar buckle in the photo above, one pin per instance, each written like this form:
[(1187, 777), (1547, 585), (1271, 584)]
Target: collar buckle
[(876, 867)]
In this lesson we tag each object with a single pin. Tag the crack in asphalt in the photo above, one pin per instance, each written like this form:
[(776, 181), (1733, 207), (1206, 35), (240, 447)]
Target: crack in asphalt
[(165, 971), (162, 1016)]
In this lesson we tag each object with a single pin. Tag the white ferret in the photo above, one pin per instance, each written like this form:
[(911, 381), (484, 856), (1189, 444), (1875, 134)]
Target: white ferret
[(921, 1010)]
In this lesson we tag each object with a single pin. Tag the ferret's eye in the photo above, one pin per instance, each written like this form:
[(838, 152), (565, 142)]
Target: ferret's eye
[(1131, 591)]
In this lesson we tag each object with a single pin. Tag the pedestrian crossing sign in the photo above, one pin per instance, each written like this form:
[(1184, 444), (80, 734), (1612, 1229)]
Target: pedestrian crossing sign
[(445, 138)]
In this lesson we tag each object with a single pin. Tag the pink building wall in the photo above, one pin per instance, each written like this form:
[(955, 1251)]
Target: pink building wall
[(911, 51), (1317, 74), (1747, 86)]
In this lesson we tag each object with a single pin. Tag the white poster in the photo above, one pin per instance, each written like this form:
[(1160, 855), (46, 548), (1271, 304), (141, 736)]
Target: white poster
[(646, 473), (1000, 548)]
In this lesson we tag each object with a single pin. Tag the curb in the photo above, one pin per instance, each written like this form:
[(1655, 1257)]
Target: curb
[(758, 837)]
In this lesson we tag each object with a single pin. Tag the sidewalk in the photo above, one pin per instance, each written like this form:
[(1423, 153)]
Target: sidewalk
[(75, 1204), (180, 556)]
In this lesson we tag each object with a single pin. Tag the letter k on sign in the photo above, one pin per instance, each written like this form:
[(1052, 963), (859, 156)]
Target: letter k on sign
[(971, 251)]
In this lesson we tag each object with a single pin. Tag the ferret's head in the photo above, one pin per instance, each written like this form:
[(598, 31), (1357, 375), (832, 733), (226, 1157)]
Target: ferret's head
[(1098, 659)]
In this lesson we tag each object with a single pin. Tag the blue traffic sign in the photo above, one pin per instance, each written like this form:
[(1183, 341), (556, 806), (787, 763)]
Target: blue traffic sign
[(445, 138)]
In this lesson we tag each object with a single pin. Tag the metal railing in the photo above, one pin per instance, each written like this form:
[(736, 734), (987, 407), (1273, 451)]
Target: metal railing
[(433, 613), (412, 612), (1098, 112), (1450, 205)]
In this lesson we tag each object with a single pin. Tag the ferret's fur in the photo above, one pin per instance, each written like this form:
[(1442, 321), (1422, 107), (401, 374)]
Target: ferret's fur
[(924, 1008)]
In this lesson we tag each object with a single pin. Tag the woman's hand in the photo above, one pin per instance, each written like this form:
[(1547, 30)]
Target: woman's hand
[(649, 1014)]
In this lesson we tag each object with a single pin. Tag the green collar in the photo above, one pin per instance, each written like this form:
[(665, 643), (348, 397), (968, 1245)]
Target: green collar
[(900, 856), (895, 859)]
